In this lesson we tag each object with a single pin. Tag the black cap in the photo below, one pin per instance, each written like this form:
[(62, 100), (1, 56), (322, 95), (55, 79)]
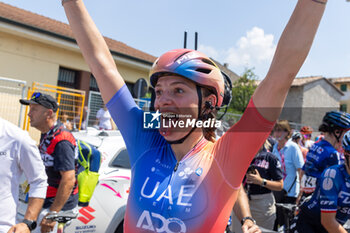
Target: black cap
[(44, 100)]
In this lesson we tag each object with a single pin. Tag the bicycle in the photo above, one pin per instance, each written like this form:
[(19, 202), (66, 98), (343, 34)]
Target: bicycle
[(63, 218), (288, 212)]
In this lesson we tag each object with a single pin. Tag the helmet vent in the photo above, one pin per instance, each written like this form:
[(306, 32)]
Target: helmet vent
[(208, 61), (206, 71), (181, 55)]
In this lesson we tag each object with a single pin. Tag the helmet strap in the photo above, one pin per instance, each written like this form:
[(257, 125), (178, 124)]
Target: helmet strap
[(337, 136), (181, 140)]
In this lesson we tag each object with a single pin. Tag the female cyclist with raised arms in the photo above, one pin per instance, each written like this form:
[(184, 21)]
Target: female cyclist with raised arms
[(329, 206), (184, 180)]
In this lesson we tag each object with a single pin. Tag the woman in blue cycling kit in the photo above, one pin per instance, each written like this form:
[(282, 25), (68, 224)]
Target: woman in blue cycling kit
[(324, 153), (184, 180), (329, 207)]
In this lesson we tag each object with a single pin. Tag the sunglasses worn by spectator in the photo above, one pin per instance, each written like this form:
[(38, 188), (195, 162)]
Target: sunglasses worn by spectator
[(35, 95)]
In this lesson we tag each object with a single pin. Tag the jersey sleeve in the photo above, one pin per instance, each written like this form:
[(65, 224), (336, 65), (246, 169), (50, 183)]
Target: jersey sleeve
[(238, 146), (329, 190), (64, 159), (129, 120), (33, 167)]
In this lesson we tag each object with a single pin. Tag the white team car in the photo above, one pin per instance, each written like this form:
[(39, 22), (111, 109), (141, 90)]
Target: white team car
[(106, 210)]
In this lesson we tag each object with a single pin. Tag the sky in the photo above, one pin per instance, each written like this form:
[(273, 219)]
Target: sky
[(242, 33)]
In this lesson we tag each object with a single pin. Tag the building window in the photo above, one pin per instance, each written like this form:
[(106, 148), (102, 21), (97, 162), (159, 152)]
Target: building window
[(131, 88), (67, 78), (343, 87), (93, 84), (343, 107)]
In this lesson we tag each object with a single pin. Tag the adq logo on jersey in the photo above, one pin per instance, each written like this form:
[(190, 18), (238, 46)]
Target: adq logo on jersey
[(151, 120), (170, 225)]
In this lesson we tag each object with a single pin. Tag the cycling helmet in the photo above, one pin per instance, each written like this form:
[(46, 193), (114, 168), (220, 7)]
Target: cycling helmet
[(306, 130), (192, 65), (337, 120), (346, 141), (296, 135)]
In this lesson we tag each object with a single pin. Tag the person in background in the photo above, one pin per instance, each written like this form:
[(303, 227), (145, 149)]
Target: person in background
[(57, 148), (242, 220), (296, 137), (264, 176), (328, 208), (324, 153), (104, 119), (291, 158), (306, 141), (66, 123), (19, 155)]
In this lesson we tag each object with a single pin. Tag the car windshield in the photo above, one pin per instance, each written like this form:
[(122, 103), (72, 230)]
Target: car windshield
[(121, 159)]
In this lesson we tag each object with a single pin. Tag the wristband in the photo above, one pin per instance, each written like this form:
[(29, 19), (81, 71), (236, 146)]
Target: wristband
[(246, 218)]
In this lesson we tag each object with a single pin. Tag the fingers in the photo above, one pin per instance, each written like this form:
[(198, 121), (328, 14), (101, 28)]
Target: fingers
[(252, 228), (12, 229), (47, 225)]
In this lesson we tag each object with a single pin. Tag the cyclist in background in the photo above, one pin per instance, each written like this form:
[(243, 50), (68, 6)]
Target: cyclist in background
[(328, 208), (324, 153), (306, 141), (181, 177), (296, 137)]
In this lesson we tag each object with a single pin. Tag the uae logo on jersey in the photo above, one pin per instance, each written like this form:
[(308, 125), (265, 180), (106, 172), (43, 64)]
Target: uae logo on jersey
[(185, 173), (151, 120)]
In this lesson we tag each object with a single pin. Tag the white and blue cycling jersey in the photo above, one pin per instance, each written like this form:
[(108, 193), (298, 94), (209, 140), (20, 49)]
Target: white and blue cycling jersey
[(320, 156), (332, 195)]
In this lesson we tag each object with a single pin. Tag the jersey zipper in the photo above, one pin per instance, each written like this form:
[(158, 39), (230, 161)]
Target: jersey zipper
[(176, 166)]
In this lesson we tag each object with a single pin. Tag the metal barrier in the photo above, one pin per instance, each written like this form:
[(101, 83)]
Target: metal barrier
[(70, 102), (11, 90), (94, 104)]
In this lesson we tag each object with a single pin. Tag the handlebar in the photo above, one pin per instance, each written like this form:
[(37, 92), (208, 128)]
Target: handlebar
[(287, 206), (63, 216)]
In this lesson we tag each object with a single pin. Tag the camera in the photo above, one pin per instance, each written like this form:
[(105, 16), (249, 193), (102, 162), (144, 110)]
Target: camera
[(251, 169)]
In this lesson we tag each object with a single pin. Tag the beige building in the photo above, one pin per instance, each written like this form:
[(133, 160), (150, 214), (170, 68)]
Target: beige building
[(309, 98), (344, 85), (35, 48)]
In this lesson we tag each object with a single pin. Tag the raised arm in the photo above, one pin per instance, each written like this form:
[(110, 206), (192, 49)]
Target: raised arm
[(94, 48), (291, 52)]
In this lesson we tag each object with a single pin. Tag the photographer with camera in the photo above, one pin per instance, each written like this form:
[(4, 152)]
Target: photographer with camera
[(264, 175)]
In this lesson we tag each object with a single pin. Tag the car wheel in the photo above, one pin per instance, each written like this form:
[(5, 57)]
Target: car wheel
[(120, 228)]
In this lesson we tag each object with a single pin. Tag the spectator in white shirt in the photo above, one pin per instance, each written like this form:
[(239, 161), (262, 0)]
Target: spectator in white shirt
[(19, 154)]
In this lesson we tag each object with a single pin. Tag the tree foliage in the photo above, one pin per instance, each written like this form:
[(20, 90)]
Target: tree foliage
[(242, 90)]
